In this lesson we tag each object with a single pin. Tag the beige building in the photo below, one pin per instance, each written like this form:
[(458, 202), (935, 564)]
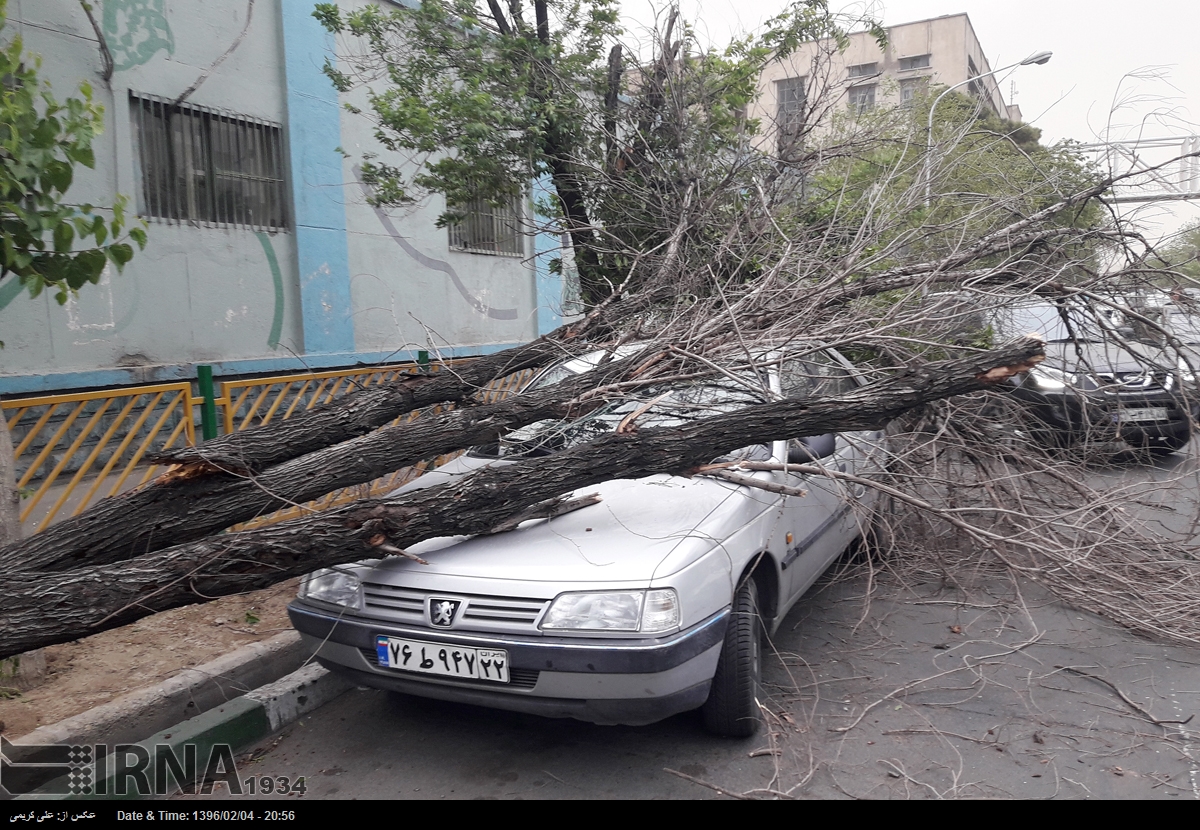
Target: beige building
[(819, 79)]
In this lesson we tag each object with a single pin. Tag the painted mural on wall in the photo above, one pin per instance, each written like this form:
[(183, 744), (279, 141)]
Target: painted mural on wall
[(135, 31)]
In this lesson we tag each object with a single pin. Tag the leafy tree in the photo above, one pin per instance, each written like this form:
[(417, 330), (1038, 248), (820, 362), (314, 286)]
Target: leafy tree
[(1182, 256), (44, 240), (486, 100), (978, 174)]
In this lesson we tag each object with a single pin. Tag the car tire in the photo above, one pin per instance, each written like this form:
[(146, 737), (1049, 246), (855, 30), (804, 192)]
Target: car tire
[(732, 709)]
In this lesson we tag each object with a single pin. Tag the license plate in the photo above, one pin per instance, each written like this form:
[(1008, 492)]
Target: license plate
[(442, 659), (1148, 413)]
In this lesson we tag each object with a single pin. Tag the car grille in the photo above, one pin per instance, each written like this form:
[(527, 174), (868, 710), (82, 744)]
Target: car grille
[(1134, 382), (480, 612), (517, 678)]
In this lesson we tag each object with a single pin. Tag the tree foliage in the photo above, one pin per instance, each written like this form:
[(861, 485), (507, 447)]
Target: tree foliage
[(1181, 257), (482, 100), (44, 240)]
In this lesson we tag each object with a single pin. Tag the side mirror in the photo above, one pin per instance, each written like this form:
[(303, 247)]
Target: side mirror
[(811, 448)]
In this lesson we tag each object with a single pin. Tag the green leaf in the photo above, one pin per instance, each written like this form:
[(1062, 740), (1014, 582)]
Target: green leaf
[(59, 174), (120, 254), (99, 230), (64, 237), (82, 155)]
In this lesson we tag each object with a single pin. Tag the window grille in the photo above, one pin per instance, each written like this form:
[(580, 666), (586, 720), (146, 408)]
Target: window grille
[(792, 101), (490, 229), (911, 89), (203, 166), (862, 98), (914, 62), (862, 70)]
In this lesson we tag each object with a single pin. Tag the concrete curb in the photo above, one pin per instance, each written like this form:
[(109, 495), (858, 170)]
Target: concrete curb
[(228, 728), (192, 692)]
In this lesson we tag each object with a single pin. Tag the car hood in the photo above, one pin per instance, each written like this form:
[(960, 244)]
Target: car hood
[(1092, 356), (640, 530)]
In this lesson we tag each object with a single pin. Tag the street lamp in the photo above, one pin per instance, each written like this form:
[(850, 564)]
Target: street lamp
[(1039, 59)]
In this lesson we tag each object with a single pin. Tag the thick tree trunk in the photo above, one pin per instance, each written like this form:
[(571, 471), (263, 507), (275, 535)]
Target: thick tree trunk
[(184, 509), (38, 609)]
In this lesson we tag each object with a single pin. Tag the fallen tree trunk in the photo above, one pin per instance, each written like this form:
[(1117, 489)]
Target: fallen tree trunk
[(38, 609), (183, 509), (362, 411)]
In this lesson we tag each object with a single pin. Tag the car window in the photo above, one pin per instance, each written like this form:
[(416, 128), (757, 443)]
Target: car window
[(654, 407), (1053, 322), (816, 375), (1185, 327)]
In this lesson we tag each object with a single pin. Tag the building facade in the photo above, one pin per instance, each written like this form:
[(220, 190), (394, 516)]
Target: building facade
[(264, 254), (820, 78)]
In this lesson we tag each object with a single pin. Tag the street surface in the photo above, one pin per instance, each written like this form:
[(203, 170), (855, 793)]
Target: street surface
[(925, 691)]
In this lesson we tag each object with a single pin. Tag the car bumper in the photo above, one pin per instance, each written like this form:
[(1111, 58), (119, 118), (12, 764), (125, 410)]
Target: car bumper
[(629, 682), (1101, 416)]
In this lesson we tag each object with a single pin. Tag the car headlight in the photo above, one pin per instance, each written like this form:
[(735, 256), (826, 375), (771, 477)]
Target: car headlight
[(1050, 379), (645, 611), (1185, 372), (332, 586)]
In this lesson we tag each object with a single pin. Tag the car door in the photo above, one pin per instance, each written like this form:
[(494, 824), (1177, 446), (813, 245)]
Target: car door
[(820, 524)]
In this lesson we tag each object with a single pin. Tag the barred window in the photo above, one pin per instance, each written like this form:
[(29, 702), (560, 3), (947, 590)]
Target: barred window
[(912, 88), (792, 101), (490, 229), (914, 62), (862, 70), (862, 98), (204, 166)]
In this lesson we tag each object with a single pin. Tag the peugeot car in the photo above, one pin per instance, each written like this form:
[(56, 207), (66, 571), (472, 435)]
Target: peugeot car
[(652, 602)]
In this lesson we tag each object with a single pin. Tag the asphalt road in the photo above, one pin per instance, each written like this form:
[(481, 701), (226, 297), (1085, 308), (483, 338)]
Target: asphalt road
[(925, 691)]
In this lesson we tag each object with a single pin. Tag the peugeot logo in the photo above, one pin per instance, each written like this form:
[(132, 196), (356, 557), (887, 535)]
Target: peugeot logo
[(443, 611)]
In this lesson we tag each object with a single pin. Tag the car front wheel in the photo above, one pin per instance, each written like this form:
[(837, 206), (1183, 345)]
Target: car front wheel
[(732, 709)]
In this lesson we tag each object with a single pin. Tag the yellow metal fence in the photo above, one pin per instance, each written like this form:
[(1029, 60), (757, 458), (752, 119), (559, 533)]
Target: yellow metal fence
[(75, 449)]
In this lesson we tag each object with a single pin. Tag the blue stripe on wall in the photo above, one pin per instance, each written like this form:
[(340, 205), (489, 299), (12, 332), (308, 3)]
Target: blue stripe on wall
[(314, 134), (546, 246), (56, 382)]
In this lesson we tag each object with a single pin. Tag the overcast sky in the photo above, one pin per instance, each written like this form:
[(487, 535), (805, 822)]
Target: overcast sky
[(1097, 45)]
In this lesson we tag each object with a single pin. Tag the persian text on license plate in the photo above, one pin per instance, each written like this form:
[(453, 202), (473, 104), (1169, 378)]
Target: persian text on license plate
[(442, 659), (1148, 413)]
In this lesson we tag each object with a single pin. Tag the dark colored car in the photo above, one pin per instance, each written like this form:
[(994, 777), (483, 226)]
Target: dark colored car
[(1096, 383)]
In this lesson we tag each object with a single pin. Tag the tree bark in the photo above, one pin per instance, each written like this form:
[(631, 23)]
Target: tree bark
[(360, 412), (38, 609), (184, 509)]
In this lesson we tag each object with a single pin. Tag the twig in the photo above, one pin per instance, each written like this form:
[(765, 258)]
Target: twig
[(916, 683), (714, 787), (379, 542), (1125, 698), (549, 509)]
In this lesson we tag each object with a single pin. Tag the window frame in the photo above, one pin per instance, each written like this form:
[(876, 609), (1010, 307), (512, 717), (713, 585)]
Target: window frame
[(481, 217), (211, 167), (788, 104), (857, 106), (911, 66)]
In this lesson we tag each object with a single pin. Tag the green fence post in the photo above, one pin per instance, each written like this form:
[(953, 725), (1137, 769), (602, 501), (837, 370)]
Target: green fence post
[(208, 406), (423, 361)]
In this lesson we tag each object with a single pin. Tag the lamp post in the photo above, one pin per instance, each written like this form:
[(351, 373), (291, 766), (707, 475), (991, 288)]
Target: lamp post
[(1039, 59)]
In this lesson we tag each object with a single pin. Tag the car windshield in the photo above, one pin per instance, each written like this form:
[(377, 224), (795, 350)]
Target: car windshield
[(1185, 327), (673, 406), (1054, 323)]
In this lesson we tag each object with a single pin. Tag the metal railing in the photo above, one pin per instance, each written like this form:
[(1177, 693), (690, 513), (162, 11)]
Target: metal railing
[(72, 450)]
